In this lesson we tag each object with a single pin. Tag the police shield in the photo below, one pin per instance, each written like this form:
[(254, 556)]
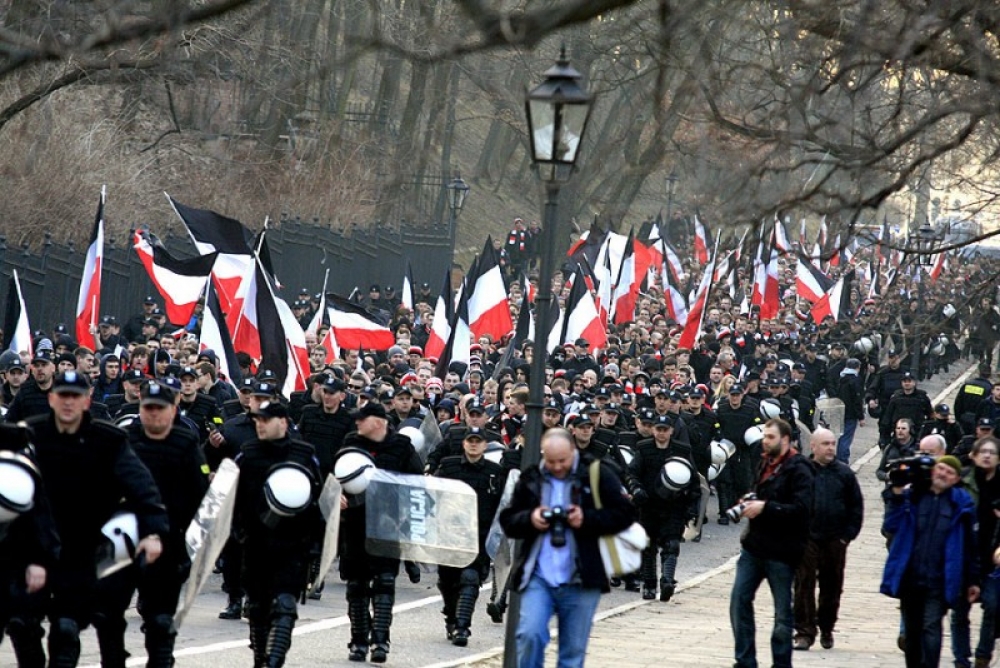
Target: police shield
[(208, 532), (692, 531), (423, 519), (329, 506), (830, 414), (498, 546)]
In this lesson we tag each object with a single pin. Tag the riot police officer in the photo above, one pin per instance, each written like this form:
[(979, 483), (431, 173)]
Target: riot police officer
[(460, 586), (737, 414), (171, 452), (371, 579), (663, 510), (29, 544), (276, 536), (88, 468)]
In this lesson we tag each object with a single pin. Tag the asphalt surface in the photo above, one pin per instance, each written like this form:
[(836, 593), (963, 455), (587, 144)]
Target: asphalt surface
[(418, 637)]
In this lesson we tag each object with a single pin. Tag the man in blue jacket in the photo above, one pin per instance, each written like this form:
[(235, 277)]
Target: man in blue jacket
[(932, 555)]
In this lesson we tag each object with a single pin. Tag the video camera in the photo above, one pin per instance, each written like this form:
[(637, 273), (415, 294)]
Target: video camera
[(915, 471)]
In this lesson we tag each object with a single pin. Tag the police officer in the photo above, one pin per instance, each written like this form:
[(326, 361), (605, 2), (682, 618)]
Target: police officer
[(325, 425), (29, 544), (127, 403), (970, 396), (473, 415), (460, 586), (171, 452), (663, 513), (881, 386), (371, 580), (736, 414), (908, 402), (88, 469), (276, 540)]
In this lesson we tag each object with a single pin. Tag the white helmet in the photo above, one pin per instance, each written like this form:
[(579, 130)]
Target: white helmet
[(949, 310), (721, 451), (714, 470), (353, 469), (288, 489), (627, 454), (770, 408), (494, 452), (415, 435), (864, 345), (676, 474), (796, 411), (18, 480), (753, 435), (937, 348), (117, 548)]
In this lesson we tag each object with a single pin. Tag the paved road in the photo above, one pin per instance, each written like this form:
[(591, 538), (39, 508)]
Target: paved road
[(418, 629)]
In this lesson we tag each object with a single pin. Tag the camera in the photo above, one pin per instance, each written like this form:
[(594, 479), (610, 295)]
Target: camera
[(915, 470), (735, 514), (556, 517)]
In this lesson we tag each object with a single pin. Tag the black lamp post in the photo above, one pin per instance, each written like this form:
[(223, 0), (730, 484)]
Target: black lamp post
[(922, 242), (558, 110), (458, 190)]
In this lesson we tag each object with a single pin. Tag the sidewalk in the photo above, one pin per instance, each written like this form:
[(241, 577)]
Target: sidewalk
[(693, 628)]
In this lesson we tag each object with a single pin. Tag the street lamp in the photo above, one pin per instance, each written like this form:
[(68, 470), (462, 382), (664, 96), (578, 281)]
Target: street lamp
[(557, 111), (458, 190), (923, 243)]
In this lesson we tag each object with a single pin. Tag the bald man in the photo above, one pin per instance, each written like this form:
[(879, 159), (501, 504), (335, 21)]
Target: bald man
[(838, 509), (934, 445)]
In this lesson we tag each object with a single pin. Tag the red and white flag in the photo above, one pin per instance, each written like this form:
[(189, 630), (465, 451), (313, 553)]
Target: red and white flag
[(940, 260), (489, 308), (626, 287), (676, 304), (697, 313), (181, 283), (329, 341), (440, 332), (582, 319), (771, 304), (88, 304), (356, 328), (212, 232), (215, 337), (700, 241), (781, 241), (836, 302)]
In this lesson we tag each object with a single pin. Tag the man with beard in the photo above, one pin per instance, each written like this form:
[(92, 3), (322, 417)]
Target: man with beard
[(32, 399)]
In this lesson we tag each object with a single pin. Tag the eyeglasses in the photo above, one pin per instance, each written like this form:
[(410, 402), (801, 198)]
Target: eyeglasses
[(989, 452), (356, 388)]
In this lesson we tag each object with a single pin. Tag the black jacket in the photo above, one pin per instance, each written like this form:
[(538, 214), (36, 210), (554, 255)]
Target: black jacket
[(616, 515), (781, 530), (838, 505)]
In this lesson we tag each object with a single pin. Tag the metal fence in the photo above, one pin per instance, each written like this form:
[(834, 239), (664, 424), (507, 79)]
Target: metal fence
[(300, 251)]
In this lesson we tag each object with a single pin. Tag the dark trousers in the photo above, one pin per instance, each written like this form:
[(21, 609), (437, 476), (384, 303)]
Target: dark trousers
[(822, 563), (923, 611)]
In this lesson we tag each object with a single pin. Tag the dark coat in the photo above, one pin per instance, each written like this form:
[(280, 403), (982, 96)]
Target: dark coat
[(616, 515), (781, 530)]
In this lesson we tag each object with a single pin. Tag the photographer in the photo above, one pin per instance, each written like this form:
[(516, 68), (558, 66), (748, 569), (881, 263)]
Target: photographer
[(932, 558), (772, 545), (552, 513)]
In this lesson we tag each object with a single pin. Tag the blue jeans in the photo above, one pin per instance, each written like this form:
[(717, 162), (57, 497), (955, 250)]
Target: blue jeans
[(750, 572), (575, 607), (923, 611), (845, 440), (960, 627)]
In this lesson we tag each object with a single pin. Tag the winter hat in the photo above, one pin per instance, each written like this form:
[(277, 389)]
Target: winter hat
[(951, 461)]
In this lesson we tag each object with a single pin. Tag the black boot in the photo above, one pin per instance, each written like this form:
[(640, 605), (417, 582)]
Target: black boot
[(64, 643), (111, 640), (668, 567), (258, 642), (383, 598), (412, 569), (279, 640), (26, 635), (361, 621), (647, 571), (235, 608), (160, 637), (467, 595)]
